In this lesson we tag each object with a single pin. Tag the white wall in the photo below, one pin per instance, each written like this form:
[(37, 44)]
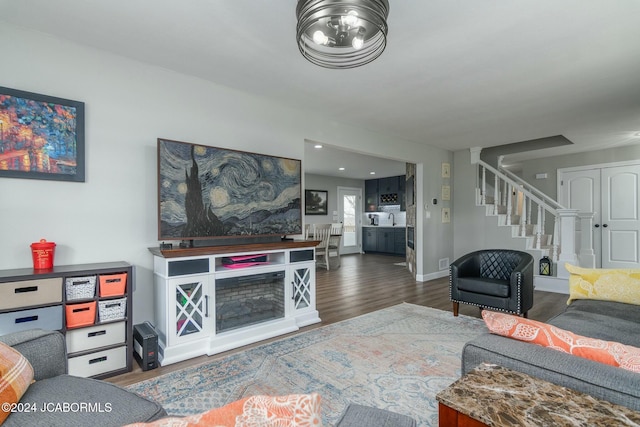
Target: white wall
[(113, 215), (437, 236), (470, 234)]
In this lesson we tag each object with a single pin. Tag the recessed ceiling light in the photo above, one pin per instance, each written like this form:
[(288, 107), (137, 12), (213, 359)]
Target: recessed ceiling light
[(372, 173), (340, 169), (318, 146)]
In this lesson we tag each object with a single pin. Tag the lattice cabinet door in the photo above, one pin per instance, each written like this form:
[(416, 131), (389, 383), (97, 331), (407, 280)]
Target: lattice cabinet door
[(191, 307), (303, 286)]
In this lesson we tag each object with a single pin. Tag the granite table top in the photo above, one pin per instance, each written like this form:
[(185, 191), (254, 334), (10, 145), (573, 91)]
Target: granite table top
[(499, 397)]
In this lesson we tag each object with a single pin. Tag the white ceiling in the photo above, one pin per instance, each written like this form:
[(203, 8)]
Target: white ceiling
[(329, 159), (455, 74)]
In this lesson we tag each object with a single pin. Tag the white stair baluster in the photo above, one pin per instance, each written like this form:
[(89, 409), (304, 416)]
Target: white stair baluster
[(505, 189), (523, 216), (539, 227), (509, 206), (496, 194), (483, 200), (555, 252)]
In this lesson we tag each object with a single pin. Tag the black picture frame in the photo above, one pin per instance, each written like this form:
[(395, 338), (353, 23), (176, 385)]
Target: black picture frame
[(315, 202), (41, 136)]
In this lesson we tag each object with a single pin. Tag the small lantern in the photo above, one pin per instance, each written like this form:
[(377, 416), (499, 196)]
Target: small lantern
[(545, 266)]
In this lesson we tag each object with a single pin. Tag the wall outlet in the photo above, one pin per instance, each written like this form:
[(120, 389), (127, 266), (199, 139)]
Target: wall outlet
[(443, 264)]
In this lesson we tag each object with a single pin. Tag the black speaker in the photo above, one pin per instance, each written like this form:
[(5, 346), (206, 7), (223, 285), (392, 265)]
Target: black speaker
[(145, 345)]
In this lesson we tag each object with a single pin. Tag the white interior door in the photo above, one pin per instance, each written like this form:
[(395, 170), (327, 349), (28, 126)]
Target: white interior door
[(349, 208), (613, 195), (620, 222)]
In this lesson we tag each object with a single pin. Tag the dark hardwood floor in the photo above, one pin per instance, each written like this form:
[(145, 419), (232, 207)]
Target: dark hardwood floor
[(362, 284)]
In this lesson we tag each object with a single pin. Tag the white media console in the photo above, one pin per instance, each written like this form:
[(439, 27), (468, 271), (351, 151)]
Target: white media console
[(213, 299)]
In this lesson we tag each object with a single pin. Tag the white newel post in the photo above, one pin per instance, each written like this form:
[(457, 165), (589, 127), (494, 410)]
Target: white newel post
[(475, 154), (587, 255), (568, 222)]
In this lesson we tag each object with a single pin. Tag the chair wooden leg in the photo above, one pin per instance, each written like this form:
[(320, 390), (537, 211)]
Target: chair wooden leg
[(525, 314), (455, 308)]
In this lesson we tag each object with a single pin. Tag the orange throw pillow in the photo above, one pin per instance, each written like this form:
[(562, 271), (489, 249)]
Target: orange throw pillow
[(608, 352), (16, 375), (295, 410)]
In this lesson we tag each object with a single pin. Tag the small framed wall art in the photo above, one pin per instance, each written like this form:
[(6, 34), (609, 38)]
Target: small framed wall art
[(315, 202), (41, 137), (446, 170)]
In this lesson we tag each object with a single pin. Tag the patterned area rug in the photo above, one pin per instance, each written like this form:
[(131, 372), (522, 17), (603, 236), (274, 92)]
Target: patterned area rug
[(397, 358)]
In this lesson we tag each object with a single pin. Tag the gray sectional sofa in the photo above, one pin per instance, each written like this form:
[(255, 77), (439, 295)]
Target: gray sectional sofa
[(610, 321), (59, 399)]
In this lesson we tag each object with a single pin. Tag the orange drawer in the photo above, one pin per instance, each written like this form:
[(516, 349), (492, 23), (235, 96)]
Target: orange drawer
[(81, 314), (113, 285)]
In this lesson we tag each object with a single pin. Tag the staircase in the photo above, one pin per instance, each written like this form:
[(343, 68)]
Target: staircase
[(528, 220)]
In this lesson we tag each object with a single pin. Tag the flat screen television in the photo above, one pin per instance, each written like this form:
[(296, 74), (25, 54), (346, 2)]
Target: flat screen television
[(226, 196)]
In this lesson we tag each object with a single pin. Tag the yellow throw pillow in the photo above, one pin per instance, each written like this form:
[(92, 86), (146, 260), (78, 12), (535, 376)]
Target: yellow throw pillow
[(619, 285), (16, 375)]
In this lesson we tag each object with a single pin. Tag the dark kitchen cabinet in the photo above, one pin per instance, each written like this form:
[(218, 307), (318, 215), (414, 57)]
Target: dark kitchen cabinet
[(386, 240), (371, 195), (388, 185), (400, 241), (384, 192), (370, 239)]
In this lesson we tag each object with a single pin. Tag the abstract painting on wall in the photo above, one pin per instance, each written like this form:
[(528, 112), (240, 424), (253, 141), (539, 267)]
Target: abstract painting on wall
[(207, 192), (41, 137)]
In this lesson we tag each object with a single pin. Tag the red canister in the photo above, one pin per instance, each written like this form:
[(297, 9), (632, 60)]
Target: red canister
[(43, 253)]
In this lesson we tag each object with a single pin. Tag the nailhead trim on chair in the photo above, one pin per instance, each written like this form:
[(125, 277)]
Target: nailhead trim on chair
[(519, 297), (484, 306)]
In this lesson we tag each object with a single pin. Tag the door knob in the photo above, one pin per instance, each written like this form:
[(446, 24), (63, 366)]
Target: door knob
[(597, 226), (605, 225)]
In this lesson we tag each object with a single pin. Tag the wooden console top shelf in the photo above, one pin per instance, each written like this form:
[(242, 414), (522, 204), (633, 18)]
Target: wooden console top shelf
[(218, 250)]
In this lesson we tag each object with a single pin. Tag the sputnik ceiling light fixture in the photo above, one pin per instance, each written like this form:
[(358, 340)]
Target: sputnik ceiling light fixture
[(342, 33)]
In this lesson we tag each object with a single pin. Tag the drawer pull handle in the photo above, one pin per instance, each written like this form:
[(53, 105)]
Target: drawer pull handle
[(113, 280), (27, 319), (80, 282), (96, 333), (98, 360), (26, 289), (78, 310), (117, 304)]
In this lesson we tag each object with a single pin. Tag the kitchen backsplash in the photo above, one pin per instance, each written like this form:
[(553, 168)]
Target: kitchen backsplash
[(385, 219)]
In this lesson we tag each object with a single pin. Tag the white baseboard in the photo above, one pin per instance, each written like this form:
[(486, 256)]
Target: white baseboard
[(551, 284), (432, 276)]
